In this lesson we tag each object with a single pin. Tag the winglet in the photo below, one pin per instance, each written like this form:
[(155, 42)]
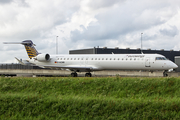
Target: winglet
[(20, 61)]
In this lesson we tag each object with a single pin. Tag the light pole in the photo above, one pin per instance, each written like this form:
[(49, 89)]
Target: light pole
[(141, 41), (56, 44)]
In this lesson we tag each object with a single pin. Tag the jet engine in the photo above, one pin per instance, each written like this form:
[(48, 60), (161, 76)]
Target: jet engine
[(43, 57)]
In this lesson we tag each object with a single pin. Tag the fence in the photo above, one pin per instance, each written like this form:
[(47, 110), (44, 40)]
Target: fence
[(18, 66)]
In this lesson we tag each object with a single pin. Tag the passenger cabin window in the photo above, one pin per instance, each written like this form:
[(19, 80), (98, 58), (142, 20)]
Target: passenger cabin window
[(161, 58)]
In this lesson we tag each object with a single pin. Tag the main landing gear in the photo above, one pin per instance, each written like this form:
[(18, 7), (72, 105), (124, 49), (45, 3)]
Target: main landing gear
[(74, 74), (88, 74)]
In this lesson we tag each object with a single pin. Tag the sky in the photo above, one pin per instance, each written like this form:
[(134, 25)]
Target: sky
[(81, 24)]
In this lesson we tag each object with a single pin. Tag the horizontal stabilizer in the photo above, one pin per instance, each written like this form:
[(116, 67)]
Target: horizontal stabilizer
[(26, 42), (12, 42)]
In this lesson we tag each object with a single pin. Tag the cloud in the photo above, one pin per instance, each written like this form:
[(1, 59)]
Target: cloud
[(128, 18), (34, 21), (103, 3), (171, 32), (5, 1), (85, 23), (36, 17)]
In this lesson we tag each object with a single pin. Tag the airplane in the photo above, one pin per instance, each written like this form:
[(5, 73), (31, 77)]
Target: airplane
[(96, 62)]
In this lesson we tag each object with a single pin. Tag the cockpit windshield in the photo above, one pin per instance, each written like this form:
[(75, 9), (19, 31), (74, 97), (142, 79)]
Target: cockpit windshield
[(161, 58)]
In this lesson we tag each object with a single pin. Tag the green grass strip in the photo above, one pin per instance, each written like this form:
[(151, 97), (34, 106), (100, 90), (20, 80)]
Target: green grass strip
[(89, 98)]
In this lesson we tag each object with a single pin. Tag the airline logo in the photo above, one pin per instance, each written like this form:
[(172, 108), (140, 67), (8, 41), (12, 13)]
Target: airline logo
[(140, 56), (31, 51)]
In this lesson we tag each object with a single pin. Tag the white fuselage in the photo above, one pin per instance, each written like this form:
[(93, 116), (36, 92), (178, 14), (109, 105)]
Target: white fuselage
[(108, 62)]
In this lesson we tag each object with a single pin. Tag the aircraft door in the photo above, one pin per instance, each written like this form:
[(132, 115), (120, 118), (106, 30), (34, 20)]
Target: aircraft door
[(147, 62)]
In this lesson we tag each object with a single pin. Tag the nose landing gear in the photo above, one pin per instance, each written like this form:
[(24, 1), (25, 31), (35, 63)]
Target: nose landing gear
[(165, 73)]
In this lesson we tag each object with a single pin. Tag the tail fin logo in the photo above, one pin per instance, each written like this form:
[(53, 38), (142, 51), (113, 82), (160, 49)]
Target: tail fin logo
[(31, 51)]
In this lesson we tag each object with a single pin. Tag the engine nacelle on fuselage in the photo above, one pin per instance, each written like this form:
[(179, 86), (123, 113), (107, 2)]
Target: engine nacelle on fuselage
[(43, 57)]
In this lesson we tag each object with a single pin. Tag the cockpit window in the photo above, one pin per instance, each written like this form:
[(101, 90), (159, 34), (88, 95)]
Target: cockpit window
[(161, 58)]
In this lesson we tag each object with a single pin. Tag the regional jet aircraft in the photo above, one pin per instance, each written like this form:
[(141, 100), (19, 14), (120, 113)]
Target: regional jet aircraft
[(96, 62)]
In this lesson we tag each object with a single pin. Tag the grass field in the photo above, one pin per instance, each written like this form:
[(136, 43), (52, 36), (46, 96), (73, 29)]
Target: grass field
[(89, 98)]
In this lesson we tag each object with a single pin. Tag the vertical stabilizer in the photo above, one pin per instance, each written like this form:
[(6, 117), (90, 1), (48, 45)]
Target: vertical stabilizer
[(30, 49), (29, 46)]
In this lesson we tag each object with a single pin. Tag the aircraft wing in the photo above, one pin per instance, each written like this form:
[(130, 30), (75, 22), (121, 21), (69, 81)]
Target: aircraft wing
[(20, 61), (73, 68)]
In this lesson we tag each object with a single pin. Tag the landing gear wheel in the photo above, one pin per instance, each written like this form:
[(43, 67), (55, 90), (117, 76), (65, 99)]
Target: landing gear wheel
[(88, 75), (74, 74), (165, 73)]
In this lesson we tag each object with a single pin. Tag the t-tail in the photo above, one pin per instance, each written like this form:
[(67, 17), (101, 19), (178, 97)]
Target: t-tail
[(29, 46)]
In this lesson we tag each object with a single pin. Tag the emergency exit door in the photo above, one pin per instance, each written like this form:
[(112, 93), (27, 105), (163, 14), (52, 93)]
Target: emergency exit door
[(147, 62)]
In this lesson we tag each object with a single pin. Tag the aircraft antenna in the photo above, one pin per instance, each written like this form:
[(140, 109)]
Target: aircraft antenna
[(56, 44)]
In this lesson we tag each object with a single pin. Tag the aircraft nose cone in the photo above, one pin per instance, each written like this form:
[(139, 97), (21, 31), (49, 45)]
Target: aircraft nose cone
[(172, 65), (175, 66)]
